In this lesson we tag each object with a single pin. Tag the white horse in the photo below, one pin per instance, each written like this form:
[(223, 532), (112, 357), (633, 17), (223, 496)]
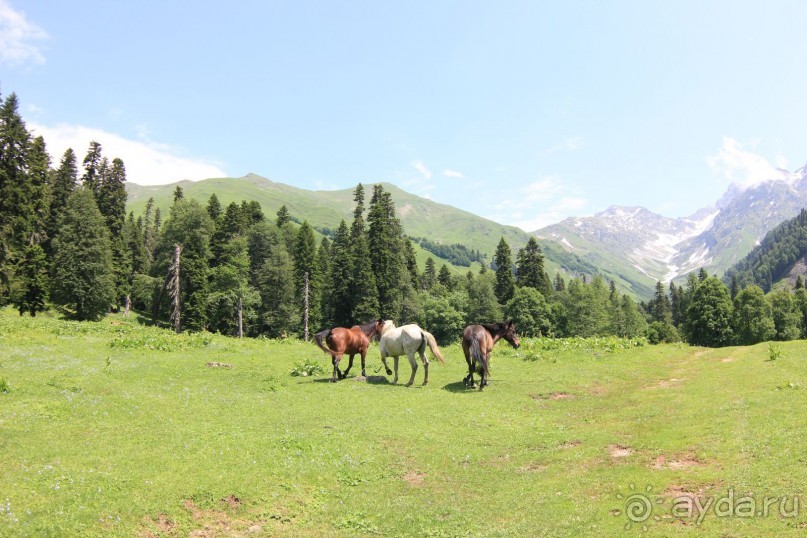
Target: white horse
[(406, 340)]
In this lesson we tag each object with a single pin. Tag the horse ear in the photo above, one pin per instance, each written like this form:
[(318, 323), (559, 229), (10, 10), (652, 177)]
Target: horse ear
[(509, 323)]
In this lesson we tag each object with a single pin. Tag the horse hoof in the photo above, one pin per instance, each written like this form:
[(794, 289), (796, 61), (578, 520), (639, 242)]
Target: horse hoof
[(408, 385), (389, 372)]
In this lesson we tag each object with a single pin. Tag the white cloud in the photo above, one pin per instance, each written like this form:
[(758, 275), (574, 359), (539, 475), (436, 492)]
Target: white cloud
[(541, 203), (453, 174), (420, 167), (741, 167), (17, 35), (570, 144), (147, 163), (542, 190)]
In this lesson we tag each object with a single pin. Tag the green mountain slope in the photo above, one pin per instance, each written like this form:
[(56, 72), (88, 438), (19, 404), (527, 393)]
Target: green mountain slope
[(420, 217), (779, 256)]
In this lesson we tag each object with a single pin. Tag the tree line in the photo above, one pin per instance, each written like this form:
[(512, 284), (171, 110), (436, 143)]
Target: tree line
[(66, 240)]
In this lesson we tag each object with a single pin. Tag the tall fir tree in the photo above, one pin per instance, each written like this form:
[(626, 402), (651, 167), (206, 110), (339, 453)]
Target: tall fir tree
[(339, 282), (386, 252), (283, 216), (214, 208), (30, 286), (530, 268), (83, 277), (15, 191), (505, 281), (305, 261), (429, 274), (39, 173), (189, 226), (660, 308), (444, 277), (63, 182), (92, 167), (362, 278)]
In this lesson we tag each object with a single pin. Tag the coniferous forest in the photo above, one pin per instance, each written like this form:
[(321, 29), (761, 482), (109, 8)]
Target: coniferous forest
[(66, 242)]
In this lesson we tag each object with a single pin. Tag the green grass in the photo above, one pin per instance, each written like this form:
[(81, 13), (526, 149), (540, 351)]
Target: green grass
[(114, 429)]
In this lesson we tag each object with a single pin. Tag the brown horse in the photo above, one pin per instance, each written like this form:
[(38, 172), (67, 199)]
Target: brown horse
[(478, 342), (351, 341)]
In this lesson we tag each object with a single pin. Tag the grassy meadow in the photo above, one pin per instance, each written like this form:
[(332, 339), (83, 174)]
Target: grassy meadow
[(117, 429)]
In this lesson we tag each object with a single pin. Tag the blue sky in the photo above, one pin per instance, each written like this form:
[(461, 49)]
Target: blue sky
[(522, 112)]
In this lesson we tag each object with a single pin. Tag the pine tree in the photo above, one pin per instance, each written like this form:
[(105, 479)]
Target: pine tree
[(530, 268), (702, 274), (283, 216), (82, 272), (190, 227), (15, 191), (429, 274), (505, 282), (279, 314), (660, 308), (339, 282), (229, 226), (560, 284), (735, 287), (63, 182), (92, 167), (39, 172), (444, 278), (305, 262), (179, 194), (111, 196), (214, 208), (364, 292), (799, 283), (386, 252), (29, 291)]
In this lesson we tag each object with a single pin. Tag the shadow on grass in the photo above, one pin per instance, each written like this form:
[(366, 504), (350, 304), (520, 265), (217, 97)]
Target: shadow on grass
[(371, 379), (458, 386)]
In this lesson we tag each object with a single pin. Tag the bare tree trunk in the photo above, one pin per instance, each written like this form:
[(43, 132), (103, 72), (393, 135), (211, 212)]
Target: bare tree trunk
[(174, 286), (128, 305), (305, 318), (240, 318)]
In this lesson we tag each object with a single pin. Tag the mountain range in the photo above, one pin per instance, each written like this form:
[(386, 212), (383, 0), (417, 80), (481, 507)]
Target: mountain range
[(632, 246), (646, 247)]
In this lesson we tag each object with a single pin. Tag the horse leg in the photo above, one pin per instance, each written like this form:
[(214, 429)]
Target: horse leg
[(363, 371), (422, 352), (470, 377), (336, 373), (384, 360), (395, 360), (349, 366), (414, 364)]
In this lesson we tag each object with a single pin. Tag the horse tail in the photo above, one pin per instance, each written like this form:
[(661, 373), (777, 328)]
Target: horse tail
[(433, 345), (319, 337), (478, 355)]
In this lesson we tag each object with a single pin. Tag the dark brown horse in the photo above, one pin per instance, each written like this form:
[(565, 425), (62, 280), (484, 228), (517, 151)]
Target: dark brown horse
[(478, 342), (351, 341)]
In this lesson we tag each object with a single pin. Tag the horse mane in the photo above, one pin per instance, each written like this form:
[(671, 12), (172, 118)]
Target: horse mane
[(494, 328), (368, 328), (388, 326)]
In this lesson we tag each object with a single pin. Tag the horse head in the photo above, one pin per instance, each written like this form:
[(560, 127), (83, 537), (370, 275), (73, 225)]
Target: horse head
[(510, 334), (385, 326)]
